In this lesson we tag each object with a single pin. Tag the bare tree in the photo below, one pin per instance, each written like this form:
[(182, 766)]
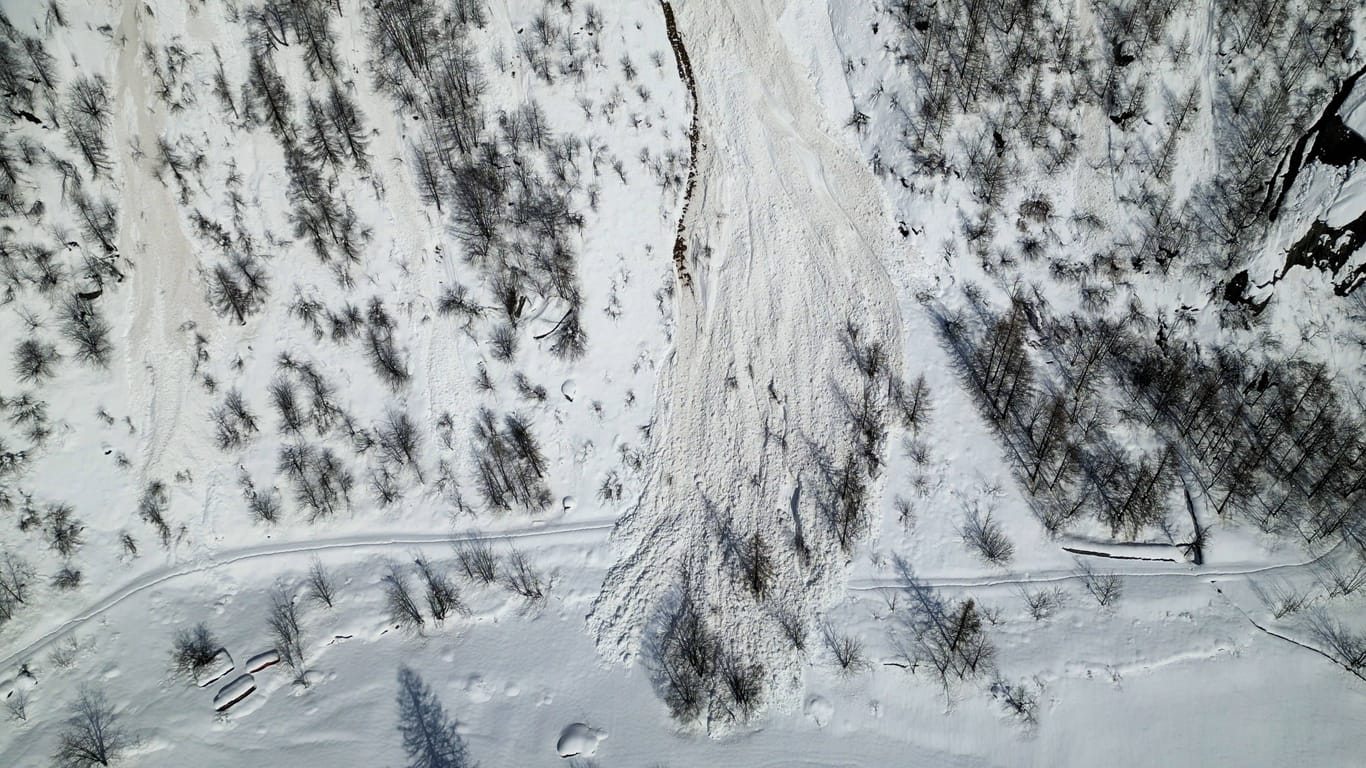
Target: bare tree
[(1106, 588), (686, 657), (34, 361), (443, 597), (847, 651), (15, 577), (403, 609), (68, 578), (509, 463), (1340, 581), (757, 565), (85, 327), (194, 650), (947, 637), (17, 704), (233, 421), (1282, 598), (522, 578), (399, 440), (1017, 700), (285, 629), (63, 529), (1043, 603), (385, 357), (321, 587), (846, 507), (477, 560), (984, 534), (912, 403), (266, 96), (87, 117), (794, 629), (1343, 644), (93, 735), (99, 222), (322, 483), (152, 509), (741, 692)]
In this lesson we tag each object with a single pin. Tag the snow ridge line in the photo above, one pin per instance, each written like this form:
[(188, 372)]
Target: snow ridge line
[(160, 576)]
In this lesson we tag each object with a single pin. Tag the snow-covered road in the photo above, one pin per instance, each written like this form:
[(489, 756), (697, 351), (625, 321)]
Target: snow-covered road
[(223, 558)]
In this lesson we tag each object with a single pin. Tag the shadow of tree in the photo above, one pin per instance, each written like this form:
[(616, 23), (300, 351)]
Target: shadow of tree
[(430, 738)]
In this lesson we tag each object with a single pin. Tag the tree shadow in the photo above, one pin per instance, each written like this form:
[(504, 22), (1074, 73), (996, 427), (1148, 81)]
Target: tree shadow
[(430, 737)]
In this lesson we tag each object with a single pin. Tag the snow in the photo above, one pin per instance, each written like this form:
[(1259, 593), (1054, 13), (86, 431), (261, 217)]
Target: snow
[(217, 668), (787, 223), (262, 660), (710, 404), (228, 696), (579, 739)]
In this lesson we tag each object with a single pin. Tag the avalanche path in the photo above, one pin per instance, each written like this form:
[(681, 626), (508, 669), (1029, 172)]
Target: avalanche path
[(787, 236)]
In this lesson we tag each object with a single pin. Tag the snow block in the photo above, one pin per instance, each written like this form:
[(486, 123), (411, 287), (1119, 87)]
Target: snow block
[(215, 670), (262, 660), (234, 692)]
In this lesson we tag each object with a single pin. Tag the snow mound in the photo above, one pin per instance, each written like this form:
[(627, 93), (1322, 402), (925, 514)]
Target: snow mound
[(262, 660), (579, 739), (234, 692), (215, 670), (819, 709)]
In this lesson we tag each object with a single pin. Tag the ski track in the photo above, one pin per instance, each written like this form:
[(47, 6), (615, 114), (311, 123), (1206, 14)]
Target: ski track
[(788, 236), (160, 576)]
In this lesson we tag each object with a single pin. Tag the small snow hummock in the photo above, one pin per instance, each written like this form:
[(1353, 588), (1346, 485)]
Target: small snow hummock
[(819, 709), (234, 692), (262, 660), (569, 502), (569, 389), (214, 670), (579, 739)]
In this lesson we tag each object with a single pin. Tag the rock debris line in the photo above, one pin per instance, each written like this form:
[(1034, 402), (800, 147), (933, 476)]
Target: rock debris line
[(685, 74)]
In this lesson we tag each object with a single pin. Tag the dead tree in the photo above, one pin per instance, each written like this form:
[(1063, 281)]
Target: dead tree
[(93, 734)]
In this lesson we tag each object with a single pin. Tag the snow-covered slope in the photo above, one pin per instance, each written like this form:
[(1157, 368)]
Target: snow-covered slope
[(451, 382)]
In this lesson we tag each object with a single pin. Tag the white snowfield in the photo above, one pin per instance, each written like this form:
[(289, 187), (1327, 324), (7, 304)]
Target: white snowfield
[(713, 398)]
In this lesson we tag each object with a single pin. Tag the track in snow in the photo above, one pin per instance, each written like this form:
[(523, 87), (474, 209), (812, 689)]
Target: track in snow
[(1054, 576), (161, 576)]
